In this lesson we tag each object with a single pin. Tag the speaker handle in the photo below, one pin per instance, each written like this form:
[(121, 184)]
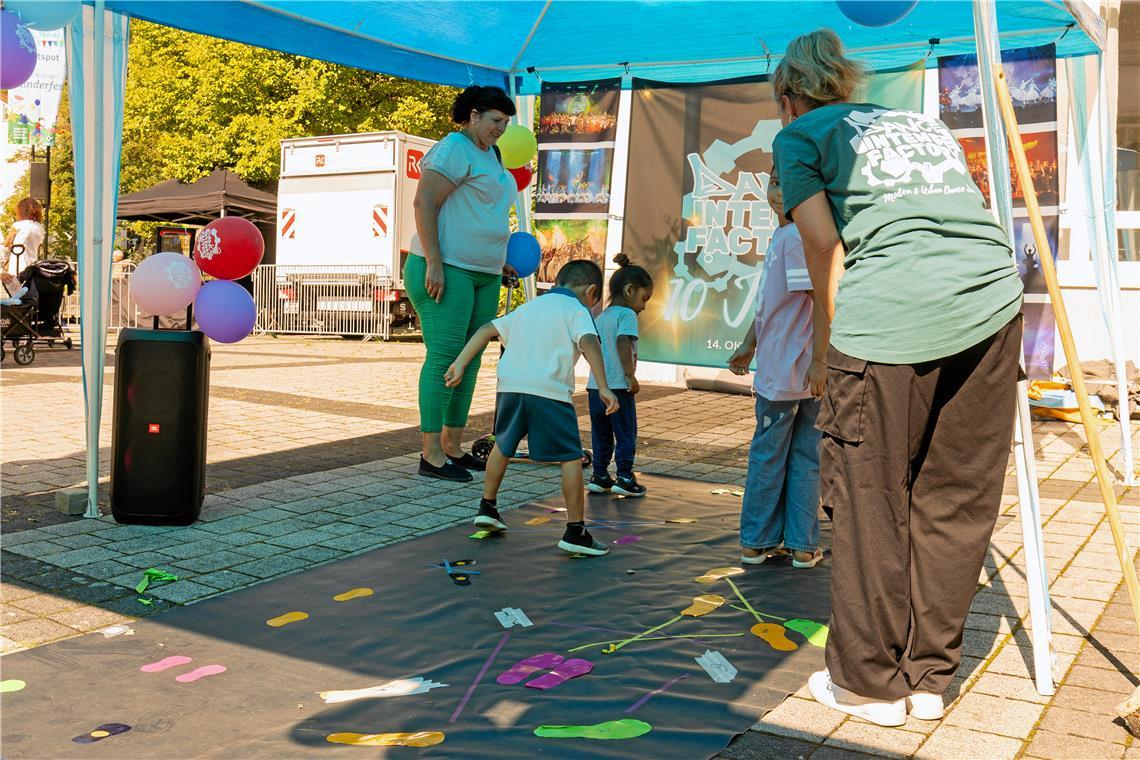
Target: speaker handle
[(154, 325)]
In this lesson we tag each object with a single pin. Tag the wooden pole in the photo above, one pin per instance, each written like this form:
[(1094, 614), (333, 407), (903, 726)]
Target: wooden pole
[(1123, 553)]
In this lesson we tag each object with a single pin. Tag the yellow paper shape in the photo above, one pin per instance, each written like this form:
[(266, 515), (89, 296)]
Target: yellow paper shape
[(773, 633), (355, 593), (537, 520), (683, 520), (287, 618), (703, 605), (715, 574), (418, 739), (100, 734)]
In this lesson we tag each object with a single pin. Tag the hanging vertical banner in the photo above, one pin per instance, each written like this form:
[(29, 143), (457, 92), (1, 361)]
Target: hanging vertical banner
[(696, 210), (1032, 77), (576, 130), (31, 109)]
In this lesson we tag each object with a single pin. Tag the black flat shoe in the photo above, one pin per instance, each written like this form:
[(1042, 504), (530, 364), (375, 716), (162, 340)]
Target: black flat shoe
[(449, 471), (469, 462)]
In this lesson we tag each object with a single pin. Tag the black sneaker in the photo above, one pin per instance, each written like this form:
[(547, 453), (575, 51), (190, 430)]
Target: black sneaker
[(488, 518), (469, 462), (600, 484), (581, 542), (449, 471), (628, 487)]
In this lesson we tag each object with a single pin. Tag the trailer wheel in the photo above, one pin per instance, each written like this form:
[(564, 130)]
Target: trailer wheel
[(68, 344), (24, 354)]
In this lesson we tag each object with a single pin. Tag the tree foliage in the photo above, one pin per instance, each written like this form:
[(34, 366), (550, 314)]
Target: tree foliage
[(194, 103)]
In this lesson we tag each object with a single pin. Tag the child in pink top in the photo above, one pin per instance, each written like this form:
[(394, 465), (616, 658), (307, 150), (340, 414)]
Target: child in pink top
[(789, 340)]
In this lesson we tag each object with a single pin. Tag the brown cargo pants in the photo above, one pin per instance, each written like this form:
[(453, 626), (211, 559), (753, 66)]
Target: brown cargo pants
[(913, 461)]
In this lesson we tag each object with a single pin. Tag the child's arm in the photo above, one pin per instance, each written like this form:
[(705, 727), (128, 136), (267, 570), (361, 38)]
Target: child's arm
[(477, 343), (591, 348), (816, 379), (625, 355), (823, 250), (742, 357)]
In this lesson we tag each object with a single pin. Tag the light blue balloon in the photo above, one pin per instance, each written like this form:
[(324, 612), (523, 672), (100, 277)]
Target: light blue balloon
[(45, 15), (876, 13), (524, 253)]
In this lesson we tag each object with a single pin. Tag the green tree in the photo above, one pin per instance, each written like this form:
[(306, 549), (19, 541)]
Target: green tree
[(194, 103)]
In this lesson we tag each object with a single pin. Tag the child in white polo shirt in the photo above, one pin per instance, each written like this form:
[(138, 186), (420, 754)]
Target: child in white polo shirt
[(542, 342)]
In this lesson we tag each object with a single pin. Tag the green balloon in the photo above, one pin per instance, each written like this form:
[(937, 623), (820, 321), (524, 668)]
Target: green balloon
[(518, 146), (815, 633)]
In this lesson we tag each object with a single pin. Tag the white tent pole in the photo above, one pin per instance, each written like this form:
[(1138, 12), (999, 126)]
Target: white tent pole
[(1028, 500), (524, 115)]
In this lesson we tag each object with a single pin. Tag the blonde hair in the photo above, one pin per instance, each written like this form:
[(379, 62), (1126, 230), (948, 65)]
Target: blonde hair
[(814, 70)]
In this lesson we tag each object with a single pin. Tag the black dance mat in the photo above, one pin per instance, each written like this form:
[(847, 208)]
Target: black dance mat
[(453, 646)]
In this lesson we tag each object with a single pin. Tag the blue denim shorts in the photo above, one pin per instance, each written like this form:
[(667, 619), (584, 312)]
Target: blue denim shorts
[(550, 426)]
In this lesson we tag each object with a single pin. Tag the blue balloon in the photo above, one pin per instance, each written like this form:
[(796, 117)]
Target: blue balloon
[(225, 311), (875, 12), (45, 15), (524, 253)]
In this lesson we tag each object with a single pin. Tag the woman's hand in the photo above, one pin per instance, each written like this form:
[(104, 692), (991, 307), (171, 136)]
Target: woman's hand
[(741, 358), (433, 280), (816, 379), (510, 271)]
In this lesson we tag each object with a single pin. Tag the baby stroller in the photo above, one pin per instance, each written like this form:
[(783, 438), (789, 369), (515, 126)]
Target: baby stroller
[(51, 280)]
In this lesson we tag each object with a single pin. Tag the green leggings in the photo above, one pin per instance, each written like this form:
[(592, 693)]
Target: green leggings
[(470, 300)]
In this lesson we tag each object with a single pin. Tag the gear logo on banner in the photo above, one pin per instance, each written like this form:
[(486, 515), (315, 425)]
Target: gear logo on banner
[(727, 220)]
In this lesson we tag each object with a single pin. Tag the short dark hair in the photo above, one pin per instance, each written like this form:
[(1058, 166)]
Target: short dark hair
[(477, 98), (579, 273)]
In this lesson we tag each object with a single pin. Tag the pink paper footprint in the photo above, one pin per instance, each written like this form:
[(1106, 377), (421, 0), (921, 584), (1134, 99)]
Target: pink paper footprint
[(202, 672), (561, 674), (168, 662), (530, 665)]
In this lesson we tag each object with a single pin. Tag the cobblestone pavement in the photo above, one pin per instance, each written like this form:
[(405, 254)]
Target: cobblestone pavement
[(312, 458)]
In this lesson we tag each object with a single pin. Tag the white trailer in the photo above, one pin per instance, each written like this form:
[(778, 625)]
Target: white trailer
[(347, 200)]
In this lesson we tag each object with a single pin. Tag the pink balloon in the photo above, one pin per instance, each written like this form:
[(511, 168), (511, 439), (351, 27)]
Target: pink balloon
[(165, 283)]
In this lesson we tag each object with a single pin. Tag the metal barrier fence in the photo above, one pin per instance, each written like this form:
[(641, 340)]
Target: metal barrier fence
[(121, 308), (340, 299)]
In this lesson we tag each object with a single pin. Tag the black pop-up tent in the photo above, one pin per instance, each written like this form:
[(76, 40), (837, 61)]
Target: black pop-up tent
[(220, 193)]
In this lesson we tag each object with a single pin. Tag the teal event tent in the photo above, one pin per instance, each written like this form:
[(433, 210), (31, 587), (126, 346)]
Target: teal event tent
[(519, 45)]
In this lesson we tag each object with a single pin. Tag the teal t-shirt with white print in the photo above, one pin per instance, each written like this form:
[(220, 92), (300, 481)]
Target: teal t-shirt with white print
[(928, 271)]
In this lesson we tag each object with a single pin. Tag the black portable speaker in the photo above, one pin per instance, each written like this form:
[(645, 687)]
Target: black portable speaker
[(158, 431)]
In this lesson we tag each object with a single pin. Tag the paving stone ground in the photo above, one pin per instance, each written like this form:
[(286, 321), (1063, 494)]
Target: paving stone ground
[(312, 456)]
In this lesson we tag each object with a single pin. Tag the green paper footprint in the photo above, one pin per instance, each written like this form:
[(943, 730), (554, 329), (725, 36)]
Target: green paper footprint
[(815, 633), (626, 728)]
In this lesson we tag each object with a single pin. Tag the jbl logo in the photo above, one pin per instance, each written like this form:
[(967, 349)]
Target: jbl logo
[(414, 157)]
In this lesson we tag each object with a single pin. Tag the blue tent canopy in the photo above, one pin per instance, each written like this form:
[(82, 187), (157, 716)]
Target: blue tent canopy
[(461, 42)]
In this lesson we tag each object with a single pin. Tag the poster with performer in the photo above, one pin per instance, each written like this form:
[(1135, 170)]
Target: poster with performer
[(1032, 77), (579, 112), (577, 126), (696, 209), (565, 239), (574, 181)]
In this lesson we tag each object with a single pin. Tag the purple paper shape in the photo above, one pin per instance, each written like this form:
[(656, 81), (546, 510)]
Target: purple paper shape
[(561, 674), (627, 540), (524, 668)]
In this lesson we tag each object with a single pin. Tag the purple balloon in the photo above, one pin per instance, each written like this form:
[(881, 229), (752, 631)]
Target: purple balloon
[(17, 51), (225, 311)]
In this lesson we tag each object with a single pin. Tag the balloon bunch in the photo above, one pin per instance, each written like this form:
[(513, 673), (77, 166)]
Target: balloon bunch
[(518, 146), (17, 45), (227, 249)]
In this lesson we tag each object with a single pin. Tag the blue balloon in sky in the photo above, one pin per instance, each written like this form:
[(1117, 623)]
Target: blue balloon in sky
[(875, 13), (44, 15)]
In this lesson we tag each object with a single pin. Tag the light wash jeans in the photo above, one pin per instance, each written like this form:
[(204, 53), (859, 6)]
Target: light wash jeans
[(781, 496)]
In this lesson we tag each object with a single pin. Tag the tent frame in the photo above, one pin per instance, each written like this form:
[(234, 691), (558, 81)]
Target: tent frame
[(97, 66)]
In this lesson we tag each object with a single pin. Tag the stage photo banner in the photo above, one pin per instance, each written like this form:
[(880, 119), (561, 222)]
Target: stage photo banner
[(696, 210), (1032, 77), (577, 126)]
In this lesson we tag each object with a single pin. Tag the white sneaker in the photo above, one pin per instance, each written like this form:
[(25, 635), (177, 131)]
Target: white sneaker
[(838, 698), (925, 706)]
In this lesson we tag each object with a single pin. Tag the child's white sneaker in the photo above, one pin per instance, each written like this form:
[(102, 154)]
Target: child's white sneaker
[(925, 706), (838, 698)]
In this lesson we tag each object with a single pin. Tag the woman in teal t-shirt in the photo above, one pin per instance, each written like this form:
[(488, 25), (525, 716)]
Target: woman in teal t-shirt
[(919, 282), (454, 271)]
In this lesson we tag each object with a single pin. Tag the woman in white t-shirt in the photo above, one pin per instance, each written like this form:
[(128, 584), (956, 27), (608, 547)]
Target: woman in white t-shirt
[(454, 273), (27, 231)]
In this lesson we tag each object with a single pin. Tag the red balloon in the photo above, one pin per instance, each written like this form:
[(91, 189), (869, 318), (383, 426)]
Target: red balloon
[(229, 248), (523, 175)]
